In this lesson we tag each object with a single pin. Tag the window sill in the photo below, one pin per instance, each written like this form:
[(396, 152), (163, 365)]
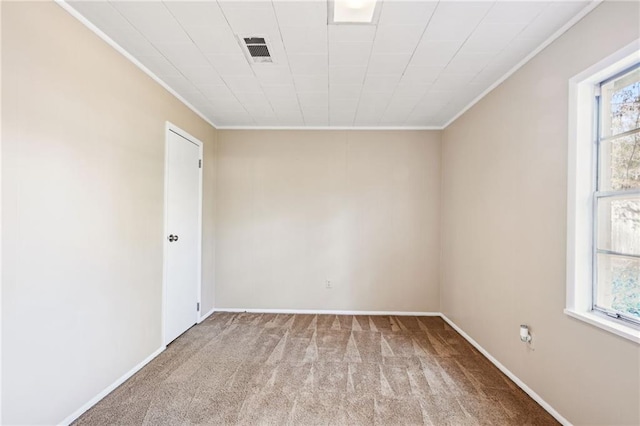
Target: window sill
[(600, 321)]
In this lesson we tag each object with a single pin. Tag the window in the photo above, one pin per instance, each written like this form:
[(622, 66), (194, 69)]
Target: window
[(616, 245), (603, 194)]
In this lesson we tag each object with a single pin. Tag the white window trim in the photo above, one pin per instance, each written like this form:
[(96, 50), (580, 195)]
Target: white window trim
[(580, 186)]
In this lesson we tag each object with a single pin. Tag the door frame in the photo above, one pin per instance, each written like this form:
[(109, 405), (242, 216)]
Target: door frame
[(170, 127)]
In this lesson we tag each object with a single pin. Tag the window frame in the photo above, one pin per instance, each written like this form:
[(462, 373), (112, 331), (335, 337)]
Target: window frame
[(599, 194), (582, 184)]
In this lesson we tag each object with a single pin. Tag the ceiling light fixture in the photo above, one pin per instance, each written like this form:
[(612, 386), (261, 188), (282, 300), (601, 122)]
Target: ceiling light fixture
[(352, 11)]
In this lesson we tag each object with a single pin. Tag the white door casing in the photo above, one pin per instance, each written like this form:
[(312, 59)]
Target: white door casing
[(182, 236)]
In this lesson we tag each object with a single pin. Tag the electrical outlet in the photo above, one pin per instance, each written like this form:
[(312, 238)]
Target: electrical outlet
[(328, 284)]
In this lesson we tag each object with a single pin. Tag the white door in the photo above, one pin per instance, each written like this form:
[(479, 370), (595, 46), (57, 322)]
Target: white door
[(182, 216)]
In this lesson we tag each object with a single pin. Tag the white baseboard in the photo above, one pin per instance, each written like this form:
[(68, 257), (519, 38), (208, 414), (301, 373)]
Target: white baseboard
[(544, 404), (110, 388), (327, 312), (495, 362), (204, 317)]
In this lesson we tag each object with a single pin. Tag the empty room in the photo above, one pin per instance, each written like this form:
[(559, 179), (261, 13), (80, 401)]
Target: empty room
[(320, 212)]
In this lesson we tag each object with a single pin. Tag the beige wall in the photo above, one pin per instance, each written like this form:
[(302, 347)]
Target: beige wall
[(296, 208), (208, 222), (82, 212), (504, 231), (82, 189)]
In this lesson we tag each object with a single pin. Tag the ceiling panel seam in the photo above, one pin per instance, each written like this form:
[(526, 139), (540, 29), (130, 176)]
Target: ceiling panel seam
[(205, 57), (420, 90)]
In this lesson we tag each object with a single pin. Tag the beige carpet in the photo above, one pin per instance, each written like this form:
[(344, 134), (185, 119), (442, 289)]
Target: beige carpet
[(318, 369)]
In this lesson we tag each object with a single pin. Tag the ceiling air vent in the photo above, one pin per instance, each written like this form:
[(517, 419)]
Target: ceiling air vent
[(257, 49)]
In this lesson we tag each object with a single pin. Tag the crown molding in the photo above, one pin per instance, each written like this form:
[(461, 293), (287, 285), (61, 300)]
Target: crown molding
[(63, 4), (395, 128), (588, 8)]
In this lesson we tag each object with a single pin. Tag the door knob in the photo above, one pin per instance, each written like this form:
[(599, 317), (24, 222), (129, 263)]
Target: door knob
[(173, 238)]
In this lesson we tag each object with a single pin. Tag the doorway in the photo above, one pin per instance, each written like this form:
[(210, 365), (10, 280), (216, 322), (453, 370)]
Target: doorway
[(182, 232)]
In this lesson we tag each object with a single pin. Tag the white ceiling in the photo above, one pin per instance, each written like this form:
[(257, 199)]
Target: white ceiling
[(419, 66)]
